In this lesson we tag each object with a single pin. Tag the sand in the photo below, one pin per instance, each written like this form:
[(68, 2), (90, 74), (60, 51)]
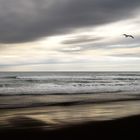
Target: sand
[(117, 120), (127, 127)]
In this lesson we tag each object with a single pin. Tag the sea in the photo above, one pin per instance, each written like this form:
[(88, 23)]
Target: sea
[(68, 97)]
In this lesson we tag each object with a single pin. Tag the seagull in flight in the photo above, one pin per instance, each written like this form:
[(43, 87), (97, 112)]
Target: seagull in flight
[(128, 36)]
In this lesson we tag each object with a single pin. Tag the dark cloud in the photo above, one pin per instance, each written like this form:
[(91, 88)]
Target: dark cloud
[(136, 55), (27, 20), (116, 44), (81, 39), (103, 46)]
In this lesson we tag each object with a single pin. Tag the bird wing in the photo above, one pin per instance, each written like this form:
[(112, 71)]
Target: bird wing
[(131, 36), (125, 35)]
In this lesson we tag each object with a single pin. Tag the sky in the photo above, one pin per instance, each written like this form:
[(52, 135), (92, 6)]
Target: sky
[(69, 35)]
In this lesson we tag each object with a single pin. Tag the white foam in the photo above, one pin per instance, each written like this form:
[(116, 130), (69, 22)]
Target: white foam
[(69, 83)]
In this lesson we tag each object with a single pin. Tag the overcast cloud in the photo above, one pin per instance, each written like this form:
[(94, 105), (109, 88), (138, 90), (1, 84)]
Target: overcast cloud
[(45, 34), (27, 20)]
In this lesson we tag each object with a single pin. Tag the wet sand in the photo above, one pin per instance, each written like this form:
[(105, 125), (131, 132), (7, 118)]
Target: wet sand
[(112, 120), (126, 127)]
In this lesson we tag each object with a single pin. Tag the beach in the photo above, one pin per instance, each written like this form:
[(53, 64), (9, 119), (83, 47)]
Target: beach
[(69, 69), (116, 129), (98, 121), (127, 127), (79, 105)]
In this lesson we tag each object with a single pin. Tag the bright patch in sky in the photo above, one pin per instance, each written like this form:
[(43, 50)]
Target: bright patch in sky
[(86, 41)]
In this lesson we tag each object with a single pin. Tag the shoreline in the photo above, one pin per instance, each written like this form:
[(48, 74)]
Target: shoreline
[(63, 115), (31, 101), (105, 118)]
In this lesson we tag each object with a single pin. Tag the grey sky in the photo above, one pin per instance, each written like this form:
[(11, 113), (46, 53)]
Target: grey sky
[(27, 20), (41, 32)]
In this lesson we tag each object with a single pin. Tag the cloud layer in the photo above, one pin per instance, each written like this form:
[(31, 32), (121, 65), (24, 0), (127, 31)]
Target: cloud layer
[(69, 35), (27, 20)]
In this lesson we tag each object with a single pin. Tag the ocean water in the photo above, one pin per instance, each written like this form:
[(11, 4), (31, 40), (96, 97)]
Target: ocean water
[(30, 83), (66, 86), (60, 97)]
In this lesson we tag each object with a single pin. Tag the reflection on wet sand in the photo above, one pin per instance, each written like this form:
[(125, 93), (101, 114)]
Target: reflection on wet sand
[(62, 115)]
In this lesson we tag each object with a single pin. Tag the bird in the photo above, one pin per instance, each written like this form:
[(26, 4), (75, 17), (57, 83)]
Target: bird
[(126, 35)]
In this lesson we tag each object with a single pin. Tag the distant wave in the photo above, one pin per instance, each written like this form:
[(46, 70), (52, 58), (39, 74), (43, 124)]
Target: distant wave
[(126, 78), (8, 77), (57, 93), (20, 84), (128, 74)]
